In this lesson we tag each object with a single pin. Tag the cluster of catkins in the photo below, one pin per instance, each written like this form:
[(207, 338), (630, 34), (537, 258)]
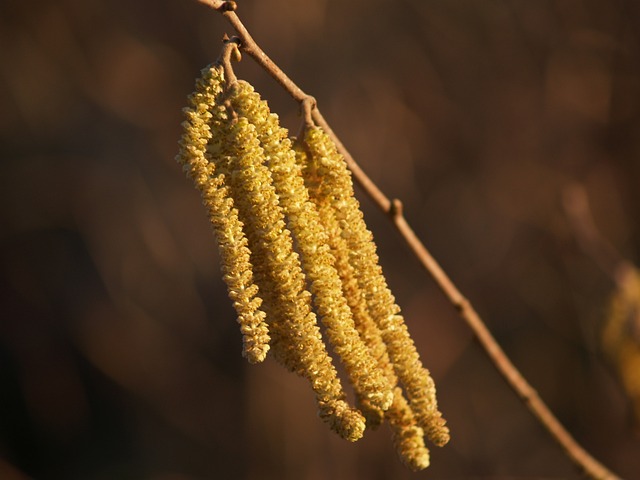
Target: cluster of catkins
[(294, 247)]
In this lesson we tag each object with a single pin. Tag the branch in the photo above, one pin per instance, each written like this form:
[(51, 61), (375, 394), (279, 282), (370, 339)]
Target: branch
[(393, 208)]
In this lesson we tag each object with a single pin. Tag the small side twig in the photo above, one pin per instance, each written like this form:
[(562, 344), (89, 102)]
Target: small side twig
[(229, 50), (308, 105), (503, 364)]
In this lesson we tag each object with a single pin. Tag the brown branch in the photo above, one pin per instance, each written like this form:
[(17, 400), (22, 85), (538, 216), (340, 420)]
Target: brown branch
[(513, 377)]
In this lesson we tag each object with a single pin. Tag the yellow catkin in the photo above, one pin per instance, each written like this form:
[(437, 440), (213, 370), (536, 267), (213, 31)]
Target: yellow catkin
[(330, 168), (369, 382), (235, 256), (296, 338), (351, 291), (406, 435), (621, 336)]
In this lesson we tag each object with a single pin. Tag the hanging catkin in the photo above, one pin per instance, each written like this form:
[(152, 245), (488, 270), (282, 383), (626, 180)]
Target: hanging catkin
[(293, 244), (232, 243), (235, 151), (621, 335), (330, 180), (368, 381)]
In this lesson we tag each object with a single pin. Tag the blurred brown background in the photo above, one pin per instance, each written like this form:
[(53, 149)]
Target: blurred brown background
[(119, 351)]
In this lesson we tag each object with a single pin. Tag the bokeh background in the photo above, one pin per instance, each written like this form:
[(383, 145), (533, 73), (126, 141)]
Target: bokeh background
[(119, 350)]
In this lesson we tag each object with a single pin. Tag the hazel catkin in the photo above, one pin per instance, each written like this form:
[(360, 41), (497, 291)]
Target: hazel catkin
[(294, 247), (303, 221), (621, 335), (296, 339), (330, 179), (235, 256)]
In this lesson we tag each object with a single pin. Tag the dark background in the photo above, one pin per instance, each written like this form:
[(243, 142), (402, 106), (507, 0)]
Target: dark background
[(119, 350)]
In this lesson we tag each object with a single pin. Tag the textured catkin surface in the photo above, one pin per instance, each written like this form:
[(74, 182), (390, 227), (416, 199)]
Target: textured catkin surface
[(120, 355)]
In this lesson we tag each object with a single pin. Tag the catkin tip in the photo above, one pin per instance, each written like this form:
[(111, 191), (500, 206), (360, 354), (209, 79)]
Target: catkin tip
[(344, 420)]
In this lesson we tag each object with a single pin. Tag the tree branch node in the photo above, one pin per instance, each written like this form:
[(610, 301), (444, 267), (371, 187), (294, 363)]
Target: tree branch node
[(396, 208), (461, 304), (228, 6)]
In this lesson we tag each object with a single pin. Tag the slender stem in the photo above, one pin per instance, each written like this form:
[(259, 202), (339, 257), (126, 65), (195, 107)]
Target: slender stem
[(230, 48), (513, 377)]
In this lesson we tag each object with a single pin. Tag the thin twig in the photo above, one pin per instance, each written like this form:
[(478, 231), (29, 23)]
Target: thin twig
[(230, 49), (514, 378)]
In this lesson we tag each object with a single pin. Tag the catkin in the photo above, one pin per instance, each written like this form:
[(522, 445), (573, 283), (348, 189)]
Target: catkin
[(303, 220), (232, 243), (328, 168), (351, 291), (292, 237), (296, 339), (621, 335), (406, 435)]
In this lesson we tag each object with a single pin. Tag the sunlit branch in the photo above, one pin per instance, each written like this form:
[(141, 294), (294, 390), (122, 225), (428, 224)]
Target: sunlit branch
[(393, 208)]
